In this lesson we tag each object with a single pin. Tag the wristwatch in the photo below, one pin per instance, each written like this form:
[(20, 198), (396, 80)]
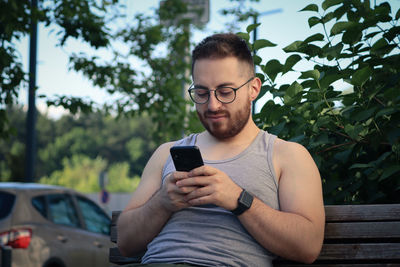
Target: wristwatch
[(244, 203)]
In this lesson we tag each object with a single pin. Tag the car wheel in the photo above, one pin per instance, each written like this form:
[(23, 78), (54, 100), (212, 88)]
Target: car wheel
[(54, 263)]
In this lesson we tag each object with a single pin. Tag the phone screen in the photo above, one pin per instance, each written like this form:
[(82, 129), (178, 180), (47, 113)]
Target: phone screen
[(186, 158)]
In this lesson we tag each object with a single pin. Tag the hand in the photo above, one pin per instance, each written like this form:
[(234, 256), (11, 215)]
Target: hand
[(210, 186), (173, 197)]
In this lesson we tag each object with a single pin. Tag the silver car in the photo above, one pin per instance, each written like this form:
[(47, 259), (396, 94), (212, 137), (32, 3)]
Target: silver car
[(51, 226)]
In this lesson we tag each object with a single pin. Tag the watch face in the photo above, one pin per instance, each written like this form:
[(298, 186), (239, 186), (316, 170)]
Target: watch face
[(246, 199)]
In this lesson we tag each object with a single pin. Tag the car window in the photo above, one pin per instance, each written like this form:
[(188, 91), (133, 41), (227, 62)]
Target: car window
[(62, 210), (40, 205), (95, 218), (6, 203)]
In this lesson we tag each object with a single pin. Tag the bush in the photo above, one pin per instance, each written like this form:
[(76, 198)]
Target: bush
[(354, 135)]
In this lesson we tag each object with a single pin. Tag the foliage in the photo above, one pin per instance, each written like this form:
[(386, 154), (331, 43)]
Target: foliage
[(122, 145), (157, 90), (82, 174), (354, 136), (83, 20)]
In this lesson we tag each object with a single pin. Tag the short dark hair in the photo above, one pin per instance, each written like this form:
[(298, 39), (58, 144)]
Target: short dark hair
[(223, 45)]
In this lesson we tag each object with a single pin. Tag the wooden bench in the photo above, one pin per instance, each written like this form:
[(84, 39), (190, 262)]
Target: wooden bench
[(355, 235)]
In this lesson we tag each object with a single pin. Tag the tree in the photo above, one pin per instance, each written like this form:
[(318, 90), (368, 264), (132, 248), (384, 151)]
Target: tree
[(353, 136), (83, 20), (92, 135), (156, 90), (82, 173)]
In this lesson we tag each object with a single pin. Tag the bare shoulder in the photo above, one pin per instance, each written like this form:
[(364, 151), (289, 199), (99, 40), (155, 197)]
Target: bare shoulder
[(284, 148), (150, 181), (300, 188), (288, 155)]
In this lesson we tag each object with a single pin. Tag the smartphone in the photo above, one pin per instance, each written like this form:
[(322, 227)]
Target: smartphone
[(186, 158)]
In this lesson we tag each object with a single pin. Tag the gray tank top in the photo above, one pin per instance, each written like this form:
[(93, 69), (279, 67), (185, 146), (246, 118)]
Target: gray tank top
[(212, 236)]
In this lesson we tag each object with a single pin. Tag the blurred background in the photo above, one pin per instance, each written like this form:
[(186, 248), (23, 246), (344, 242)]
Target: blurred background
[(111, 76)]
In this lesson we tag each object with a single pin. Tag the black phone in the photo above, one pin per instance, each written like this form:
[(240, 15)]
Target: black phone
[(186, 158)]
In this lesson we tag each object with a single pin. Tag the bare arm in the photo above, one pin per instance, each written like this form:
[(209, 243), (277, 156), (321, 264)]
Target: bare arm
[(296, 231), (150, 200)]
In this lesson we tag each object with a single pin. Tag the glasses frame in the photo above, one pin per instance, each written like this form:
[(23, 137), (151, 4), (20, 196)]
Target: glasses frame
[(215, 92)]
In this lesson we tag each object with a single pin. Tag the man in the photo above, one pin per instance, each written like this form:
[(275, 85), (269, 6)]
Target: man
[(256, 196)]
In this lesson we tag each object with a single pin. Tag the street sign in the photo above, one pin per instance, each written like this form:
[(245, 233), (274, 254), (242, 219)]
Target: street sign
[(198, 12)]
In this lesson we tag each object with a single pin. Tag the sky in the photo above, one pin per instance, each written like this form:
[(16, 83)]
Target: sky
[(55, 78)]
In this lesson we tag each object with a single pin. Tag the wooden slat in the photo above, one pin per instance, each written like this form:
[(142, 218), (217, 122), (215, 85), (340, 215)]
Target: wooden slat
[(113, 226), (378, 251), (363, 230), (114, 217), (383, 212), (116, 257), (338, 265)]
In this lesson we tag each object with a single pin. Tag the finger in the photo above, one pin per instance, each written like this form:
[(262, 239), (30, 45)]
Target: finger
[(197, 181), (204, 200), (203, 171), (180, 175), (187, 189), (198, 193)]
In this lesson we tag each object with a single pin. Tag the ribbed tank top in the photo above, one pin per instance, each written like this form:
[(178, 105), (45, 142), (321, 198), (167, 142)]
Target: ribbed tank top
[(212, 236)]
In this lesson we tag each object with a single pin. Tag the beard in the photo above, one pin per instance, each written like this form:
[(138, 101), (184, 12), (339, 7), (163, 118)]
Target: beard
[(224, 130)]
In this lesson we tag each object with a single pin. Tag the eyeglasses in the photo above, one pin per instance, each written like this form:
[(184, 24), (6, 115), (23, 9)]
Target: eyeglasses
[(224, 94)]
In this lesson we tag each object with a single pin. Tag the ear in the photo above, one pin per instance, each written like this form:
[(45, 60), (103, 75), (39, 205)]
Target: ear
[(255, 88)]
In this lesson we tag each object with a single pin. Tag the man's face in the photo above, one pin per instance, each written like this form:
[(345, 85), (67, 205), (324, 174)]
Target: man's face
[(223, 120)]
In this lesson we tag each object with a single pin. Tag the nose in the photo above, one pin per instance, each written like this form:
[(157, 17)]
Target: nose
[(213, 103)]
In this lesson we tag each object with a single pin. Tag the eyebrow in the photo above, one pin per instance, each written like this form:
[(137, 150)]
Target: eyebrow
[(230, 84)]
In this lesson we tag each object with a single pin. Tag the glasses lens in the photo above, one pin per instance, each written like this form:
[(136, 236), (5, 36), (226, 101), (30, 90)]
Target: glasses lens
[(199, 95), (225, 94)]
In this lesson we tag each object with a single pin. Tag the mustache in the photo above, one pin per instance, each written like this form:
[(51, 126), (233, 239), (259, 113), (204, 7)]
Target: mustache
[(216, 113)]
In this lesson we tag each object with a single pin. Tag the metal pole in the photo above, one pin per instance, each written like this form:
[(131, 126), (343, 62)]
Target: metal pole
[(253, 106), (31, 116)]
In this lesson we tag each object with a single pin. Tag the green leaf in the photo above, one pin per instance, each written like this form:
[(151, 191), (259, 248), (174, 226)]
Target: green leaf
[(398, 14), (327, 80), (361, 166), (392, 33), (389, 171), (277, 129), (341, 26), (361, 76), (258, 44), (328, 3), (251, 27), (333, 51), (313, 38), (272, 68), (244, 35), (314, 74), (313, 21), (310, 7), (352, 36), (328, 17), (293, 47), (294, 89), (386, 112), (257, 60), (363, 114), (353, 131), (379, 47), (290, 62)]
